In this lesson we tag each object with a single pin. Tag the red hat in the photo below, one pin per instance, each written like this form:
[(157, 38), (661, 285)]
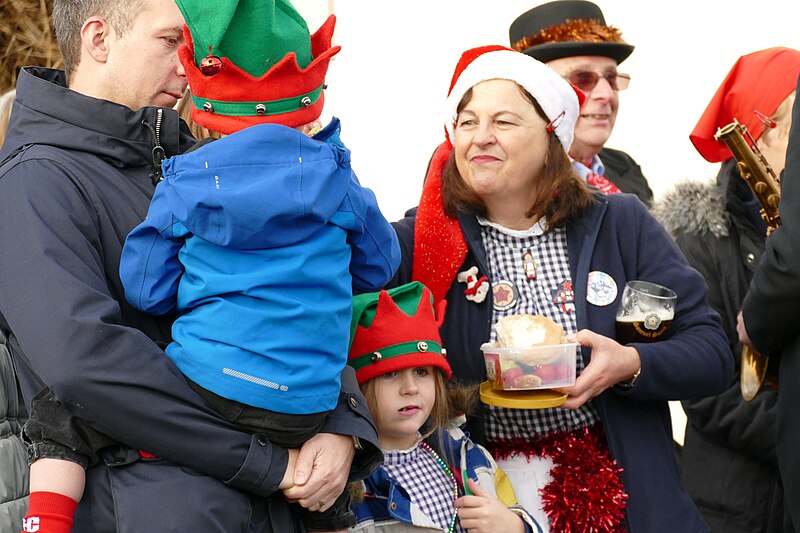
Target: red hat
[(560, 100), (255, 63), (750, 93), (439, 245), (394, 330)]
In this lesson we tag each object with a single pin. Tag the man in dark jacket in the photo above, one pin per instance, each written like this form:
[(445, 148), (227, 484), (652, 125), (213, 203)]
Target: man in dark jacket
[(77, 172), (572, 38), (770, 315)]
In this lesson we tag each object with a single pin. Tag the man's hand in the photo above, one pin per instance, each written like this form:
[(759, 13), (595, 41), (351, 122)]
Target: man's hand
[(483, 513), (744, 338), (320, 475), (611, 363)]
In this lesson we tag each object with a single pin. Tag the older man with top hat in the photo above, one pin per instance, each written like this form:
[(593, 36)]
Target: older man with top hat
[(572, 37)]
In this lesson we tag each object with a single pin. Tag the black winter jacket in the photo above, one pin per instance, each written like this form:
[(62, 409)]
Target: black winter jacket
[(729, 464), (77, 179), (625, 173)]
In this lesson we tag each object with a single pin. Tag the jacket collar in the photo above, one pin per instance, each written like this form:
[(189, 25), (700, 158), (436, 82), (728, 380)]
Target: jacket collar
[(46, 112)]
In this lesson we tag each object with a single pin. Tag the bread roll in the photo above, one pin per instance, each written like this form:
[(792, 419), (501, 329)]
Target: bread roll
[(525, 331)]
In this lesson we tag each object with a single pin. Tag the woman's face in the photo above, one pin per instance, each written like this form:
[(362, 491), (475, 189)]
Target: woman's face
[(405, 399), (500, 145)]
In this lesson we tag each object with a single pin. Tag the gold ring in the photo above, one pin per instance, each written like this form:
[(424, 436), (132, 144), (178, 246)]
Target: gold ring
[(321, 504)]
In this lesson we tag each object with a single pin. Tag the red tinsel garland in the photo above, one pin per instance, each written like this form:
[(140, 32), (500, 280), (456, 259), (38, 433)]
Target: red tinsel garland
[(585, 494)]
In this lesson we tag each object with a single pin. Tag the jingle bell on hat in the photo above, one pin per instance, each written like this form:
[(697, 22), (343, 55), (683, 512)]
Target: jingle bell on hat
[(396, 329), (210, 64), (252, 62)]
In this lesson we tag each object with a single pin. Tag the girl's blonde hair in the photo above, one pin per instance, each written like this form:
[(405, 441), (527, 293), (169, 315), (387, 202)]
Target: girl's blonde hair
[(185, 112), (6, 102)]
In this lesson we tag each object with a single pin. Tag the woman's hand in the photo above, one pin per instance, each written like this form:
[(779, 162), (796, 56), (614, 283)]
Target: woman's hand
[(483, 513), (323, 465), (611, 363)]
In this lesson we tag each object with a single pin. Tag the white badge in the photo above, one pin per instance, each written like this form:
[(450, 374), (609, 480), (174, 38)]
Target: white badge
[(601, 289)]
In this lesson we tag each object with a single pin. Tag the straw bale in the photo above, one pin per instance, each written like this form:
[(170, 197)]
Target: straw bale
[(26, 38)]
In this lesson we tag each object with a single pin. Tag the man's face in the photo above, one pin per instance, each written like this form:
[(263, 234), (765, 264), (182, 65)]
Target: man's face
[(599, 112), (143, 63)]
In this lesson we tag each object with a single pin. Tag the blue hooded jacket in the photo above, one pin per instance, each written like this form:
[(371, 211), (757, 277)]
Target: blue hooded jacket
[(258, 240)]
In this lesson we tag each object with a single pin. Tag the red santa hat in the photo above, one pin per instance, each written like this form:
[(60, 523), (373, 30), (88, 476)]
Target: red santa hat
[(750, 93), (439, 245), (559, 100)]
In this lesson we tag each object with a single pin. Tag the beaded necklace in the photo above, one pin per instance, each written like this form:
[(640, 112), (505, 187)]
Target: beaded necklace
[(425, 446)]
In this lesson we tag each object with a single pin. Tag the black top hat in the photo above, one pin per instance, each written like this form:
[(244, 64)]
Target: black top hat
[(565, 28)]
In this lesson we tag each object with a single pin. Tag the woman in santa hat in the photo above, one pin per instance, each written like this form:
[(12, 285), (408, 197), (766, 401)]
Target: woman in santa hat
[(501, 197)]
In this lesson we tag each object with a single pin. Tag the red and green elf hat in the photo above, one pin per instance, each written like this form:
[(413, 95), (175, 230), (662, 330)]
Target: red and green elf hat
[(396, 329), (253, 61)]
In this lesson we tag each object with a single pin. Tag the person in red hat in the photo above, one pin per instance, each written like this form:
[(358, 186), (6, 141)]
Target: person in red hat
[(258, 239), (572, 38), (502, 208), (718, 227), (433, 476)]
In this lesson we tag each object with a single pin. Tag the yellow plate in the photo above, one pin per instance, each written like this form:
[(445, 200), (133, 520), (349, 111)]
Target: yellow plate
[(522, 399)]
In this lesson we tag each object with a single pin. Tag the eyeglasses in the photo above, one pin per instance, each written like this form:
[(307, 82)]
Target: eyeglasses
[(585, 80)]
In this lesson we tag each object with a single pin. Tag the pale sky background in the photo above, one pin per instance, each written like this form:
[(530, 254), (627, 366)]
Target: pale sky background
[(390, 79)]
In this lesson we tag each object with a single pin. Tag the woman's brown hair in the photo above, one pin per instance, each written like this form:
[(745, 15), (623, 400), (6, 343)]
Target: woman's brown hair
[(563, 194)]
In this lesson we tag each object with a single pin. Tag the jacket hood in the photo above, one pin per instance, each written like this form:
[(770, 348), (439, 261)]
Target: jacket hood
[(262, 187), (46, 112), (693, 207)]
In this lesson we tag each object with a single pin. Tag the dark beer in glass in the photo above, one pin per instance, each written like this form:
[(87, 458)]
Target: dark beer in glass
[(645, 313)]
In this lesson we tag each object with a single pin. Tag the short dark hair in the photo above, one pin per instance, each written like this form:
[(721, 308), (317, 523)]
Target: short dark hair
[(70, 15), (563, 194)]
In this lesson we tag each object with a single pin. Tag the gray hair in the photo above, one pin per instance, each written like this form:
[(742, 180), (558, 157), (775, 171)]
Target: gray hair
[(70, 15)]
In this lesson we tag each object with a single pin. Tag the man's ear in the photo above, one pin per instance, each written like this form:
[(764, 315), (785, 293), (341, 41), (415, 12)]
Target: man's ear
[(95, 35)]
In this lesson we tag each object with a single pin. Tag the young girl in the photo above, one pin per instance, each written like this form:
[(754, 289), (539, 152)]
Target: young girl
[(433, 476)]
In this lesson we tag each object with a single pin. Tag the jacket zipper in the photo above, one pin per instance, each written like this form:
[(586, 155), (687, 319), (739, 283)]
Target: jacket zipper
[(158, 151)]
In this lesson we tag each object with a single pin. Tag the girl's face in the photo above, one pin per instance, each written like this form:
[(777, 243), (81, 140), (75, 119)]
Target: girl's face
[(404, 400)]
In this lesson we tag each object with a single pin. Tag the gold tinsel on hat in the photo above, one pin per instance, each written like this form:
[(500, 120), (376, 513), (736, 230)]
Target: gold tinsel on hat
[(580, 30), (26, 38)]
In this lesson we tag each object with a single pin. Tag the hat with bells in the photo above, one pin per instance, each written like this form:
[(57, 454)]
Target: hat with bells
[(251, 62), (396, 329), (566, 28), (751, 92)]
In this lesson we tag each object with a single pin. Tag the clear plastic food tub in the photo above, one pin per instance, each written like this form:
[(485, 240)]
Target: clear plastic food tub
[(538, 367)]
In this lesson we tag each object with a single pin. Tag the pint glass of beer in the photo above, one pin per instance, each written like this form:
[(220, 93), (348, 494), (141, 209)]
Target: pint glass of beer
[(645, 312)]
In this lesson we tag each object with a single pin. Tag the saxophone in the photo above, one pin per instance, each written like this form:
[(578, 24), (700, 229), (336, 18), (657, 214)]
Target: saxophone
[(755, 170)]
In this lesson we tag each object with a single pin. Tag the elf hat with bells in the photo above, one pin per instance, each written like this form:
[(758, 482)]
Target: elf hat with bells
[(396, 329), (251, 62)]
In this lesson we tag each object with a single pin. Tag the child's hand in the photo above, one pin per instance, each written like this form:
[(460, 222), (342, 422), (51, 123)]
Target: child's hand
[(483, 513), (288, 477)]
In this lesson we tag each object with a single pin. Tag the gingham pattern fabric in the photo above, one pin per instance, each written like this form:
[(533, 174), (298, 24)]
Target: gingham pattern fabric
[(504, 252), (426, 482)]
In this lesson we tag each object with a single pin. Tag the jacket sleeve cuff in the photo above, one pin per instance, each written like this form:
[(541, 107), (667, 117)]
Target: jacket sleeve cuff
[(352, 417), (531, 525), (263, 468)]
